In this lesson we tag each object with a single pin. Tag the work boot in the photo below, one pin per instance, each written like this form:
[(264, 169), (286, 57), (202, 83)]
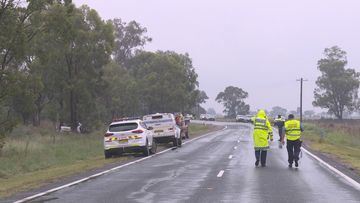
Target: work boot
[(296, 164), (257, 163), (263, 165), (290, 165)]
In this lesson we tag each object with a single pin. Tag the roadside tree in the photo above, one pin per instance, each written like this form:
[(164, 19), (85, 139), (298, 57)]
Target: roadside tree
[(16, 32), (277, 110), (129, 38), (233, 100), (79, 45), (167, 81), (337, 87)]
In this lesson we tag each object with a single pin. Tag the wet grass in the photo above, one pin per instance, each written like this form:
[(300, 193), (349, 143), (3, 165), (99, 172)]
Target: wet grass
[(339, 140), (36, 156), (196, 129), (33, 155)]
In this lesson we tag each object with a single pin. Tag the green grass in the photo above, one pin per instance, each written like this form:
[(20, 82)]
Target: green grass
[(32, 150), (35, 156), (339, 140), (29, 150), (196, 129)]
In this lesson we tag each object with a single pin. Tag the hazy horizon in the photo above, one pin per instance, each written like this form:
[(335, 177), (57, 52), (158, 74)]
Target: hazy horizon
[(262, 47)]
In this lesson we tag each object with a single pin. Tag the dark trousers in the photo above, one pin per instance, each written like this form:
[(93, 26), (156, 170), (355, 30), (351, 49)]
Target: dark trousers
[(280, 132), (261, 154), (293, 148)]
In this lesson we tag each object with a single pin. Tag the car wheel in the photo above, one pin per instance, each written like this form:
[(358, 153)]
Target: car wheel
[(107, 154), (153, 147), (146, 150)]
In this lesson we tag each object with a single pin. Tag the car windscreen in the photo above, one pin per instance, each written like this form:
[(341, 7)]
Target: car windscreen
[(157, 117), (123, 127)]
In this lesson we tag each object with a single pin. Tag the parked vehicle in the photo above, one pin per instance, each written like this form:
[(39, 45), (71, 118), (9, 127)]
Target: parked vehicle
[(164, 128), (207, 117), (129, 135), (189, 117), (241, 118), (244, 118)]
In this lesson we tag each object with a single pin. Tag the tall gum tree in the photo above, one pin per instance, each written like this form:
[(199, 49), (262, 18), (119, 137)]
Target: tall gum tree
[(337, 87), (233, 100), (81, 44)]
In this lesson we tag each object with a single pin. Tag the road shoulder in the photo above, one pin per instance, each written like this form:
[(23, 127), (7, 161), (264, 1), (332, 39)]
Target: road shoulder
[(334, 162), (56, 182)]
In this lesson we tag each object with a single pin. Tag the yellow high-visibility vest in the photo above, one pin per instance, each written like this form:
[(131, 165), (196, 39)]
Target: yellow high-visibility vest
[(292, 129)]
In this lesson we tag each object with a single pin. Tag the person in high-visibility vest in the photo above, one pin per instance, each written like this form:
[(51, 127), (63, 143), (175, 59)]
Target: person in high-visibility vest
[(279, 122), (262, 133), (293, 129)]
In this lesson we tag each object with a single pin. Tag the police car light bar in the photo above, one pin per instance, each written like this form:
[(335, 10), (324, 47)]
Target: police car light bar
[(126, 119)]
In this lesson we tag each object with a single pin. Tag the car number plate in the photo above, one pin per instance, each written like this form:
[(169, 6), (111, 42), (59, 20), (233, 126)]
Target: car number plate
[(158, 131), (123, 141)]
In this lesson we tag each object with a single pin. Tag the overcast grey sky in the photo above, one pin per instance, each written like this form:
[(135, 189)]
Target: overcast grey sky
[(260, 46)]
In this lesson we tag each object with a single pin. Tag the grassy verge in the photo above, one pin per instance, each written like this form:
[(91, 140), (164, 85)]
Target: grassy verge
[(34, 157), (197, 129), (336, 140)]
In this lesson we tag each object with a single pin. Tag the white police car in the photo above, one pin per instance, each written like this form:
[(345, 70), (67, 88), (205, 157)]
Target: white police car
[(128, 135), (164, 128)]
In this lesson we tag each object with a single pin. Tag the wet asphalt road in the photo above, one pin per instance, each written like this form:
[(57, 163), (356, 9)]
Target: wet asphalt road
[(192, 174)]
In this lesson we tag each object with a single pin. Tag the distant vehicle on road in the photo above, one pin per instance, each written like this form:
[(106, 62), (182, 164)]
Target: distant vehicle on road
[(207, 117), (189, 117), (129, 135), (243, 118), (164, 128)]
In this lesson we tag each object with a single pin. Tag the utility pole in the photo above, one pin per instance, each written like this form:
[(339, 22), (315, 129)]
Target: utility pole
[(301, 90)]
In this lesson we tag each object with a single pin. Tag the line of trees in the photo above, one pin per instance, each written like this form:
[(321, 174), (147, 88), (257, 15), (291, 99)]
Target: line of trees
[(66, 64)]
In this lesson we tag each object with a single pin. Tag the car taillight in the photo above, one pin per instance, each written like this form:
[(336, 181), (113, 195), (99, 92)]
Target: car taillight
[(137, 131), (108, 134)]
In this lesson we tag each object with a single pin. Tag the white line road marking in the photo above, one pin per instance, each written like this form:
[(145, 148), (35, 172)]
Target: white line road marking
[(231, 156), (220, 174), (103, 172), (347, 178)]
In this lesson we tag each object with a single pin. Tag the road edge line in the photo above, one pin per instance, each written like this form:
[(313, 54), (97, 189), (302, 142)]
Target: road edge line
[(103, 172), (352, 182)]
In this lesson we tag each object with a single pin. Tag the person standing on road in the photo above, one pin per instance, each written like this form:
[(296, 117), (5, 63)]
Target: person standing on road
[(293, 129), (262, 132), (279, 122)]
